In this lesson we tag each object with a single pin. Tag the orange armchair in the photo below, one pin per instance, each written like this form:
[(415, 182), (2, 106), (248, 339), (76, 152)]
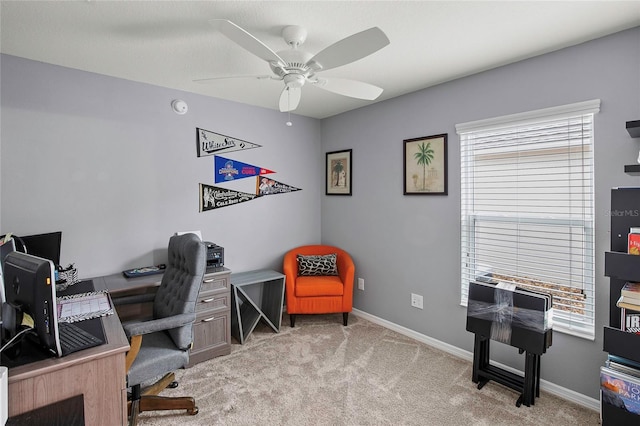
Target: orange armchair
[(319, 294)]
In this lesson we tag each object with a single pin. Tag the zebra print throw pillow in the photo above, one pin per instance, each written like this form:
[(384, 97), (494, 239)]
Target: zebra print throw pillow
[(317, 265)]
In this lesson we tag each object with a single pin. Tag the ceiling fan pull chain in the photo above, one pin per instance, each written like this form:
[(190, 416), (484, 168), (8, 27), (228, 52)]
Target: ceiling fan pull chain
[(289, 123)]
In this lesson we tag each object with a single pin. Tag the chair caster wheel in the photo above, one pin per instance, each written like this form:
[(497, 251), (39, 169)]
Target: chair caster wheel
[(193, 412), (172, 385)]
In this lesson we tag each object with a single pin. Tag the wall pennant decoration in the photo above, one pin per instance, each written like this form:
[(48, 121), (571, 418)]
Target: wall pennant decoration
[(227, 170), (213, 197), (210, 143), (267, 186)]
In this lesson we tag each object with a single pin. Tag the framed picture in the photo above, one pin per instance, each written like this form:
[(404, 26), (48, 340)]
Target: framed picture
[(425, 165), (339, 173)]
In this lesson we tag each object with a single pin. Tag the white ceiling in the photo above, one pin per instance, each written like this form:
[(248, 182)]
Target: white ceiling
[(171, 43)]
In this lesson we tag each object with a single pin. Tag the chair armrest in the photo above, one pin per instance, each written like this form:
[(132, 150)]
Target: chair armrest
[(137, 298), (290, 265), (346, 270), (146, 327), (290, 271)]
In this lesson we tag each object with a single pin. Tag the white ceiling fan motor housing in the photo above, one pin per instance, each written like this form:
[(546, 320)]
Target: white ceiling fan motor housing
[(294, 35), (296, 70)]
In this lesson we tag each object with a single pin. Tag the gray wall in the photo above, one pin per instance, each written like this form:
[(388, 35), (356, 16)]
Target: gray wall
[(411, 244), (107, 162)]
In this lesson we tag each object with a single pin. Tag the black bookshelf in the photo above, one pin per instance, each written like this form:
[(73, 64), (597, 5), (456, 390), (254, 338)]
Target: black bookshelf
[(633, 127), (621, 267), (632, 168)]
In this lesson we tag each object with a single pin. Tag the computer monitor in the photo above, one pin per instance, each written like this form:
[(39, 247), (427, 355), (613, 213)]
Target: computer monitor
[(6, 247), (46, 245), (30, 288)]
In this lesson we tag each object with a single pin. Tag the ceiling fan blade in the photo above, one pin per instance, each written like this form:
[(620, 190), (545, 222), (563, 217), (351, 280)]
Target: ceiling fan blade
[(246, 40), (350, 49), (254, 77), (351, 88), (290, 98)]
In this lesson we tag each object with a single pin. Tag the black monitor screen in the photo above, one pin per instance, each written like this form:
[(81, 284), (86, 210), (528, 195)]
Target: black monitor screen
[(30, 284), (46, 246), (6, 248)]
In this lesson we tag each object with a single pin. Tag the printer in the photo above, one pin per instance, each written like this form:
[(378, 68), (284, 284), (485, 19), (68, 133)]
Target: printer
[(215, 255)]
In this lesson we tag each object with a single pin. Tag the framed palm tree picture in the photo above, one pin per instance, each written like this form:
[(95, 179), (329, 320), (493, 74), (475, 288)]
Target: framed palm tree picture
[(425, 165), (339, 172)]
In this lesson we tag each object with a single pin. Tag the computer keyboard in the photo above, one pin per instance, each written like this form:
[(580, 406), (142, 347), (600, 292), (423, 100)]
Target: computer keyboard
[(73, 338)]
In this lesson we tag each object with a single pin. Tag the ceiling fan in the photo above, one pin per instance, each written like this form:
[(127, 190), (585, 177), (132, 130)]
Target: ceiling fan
[(296, 67)]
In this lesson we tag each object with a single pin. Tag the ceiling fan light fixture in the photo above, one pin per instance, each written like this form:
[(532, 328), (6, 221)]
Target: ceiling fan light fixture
[(294, 80)]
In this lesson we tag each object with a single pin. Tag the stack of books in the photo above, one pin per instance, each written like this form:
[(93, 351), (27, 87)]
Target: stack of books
[(620, 384), (629, 304)]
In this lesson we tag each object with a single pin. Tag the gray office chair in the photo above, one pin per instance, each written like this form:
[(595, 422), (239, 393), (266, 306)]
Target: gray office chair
[(160, 346)]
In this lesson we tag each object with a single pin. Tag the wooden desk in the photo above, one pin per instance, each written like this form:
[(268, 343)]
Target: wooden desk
[(212, 327), (120, 286), (97, 373), (68, 412)]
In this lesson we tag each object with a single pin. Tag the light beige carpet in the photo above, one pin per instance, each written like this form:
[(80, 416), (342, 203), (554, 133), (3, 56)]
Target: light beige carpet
[(321, 373)]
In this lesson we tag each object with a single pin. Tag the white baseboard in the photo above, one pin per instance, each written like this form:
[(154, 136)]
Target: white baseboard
[(552, 388)]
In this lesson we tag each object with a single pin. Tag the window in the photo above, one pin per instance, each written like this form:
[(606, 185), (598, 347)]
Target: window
[(527, 213)]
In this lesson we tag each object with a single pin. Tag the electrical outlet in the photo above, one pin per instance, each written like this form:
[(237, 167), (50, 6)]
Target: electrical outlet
[(360, 283), (416, 301)]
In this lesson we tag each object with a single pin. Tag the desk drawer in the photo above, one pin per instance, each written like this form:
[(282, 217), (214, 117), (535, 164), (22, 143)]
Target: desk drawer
[(210, 283), (211, 336), (213, 302), (212, 328)]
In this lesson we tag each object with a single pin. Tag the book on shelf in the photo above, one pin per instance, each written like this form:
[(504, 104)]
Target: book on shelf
[(620, 389), (633, 246), (622, 367), (631, 291), (625, 302), (625, 362), (630, 321)]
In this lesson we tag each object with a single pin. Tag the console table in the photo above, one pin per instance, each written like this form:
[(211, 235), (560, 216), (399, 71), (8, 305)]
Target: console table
[(256, 295)]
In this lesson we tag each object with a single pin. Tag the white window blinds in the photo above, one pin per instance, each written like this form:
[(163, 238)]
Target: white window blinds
[(527, 213)]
